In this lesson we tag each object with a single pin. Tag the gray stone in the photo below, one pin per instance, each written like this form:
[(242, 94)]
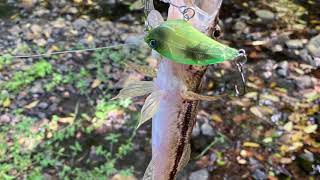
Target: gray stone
[(201, 174), (303, 82), (196, 130), (282, 69), (259, 175), (5, 118), (265, 15), (37, 88), (294, 44), (239, 26), (314, 46), (207, 129), (43, 105), (80, 23)]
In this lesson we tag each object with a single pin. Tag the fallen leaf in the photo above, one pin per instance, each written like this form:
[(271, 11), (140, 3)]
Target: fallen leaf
[(65, 120), (288, 126), (95, 83), (240, 117), (285, 160), (252, 95), (32, 105), (257, 112), (270, 97), (6, 103), (216, 118), (122, 177), (310, 129), (267, 140), (251, 144)]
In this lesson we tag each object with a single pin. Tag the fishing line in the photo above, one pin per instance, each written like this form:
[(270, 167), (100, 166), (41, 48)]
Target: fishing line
[(72, 51)]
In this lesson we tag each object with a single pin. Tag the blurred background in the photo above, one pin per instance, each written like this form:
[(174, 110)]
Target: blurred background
[(57, 120)]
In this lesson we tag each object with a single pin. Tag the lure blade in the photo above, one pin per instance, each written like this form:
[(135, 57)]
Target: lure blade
[(179, 41)]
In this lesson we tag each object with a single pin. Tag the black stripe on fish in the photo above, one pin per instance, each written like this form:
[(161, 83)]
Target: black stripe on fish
[(198, 53), (183, 133)]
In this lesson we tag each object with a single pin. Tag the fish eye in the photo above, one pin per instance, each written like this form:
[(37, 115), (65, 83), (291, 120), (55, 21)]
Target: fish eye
[(153, 43)]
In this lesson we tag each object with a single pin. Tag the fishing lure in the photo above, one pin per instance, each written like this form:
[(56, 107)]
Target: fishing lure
[(179, 41)]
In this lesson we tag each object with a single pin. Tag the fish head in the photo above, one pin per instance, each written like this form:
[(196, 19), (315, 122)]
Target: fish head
[(158, 38)]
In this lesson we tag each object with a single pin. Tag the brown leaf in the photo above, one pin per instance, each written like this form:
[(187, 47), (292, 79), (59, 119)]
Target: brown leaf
[(32, 105), (95, 83), (251, 144)]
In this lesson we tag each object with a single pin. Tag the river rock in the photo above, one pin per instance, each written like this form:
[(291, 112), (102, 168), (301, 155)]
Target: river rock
[(207, 129), (314, 46), (259, 175), (294, 44), (265, 15), (282, 69), (80, 23), (303, 82), (201, 174), (5, 119), (196, 130)]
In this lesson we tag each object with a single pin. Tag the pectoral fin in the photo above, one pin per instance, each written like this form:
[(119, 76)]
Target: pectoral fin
[(150, 106), (146, 70), (134, 89), (192, 96)]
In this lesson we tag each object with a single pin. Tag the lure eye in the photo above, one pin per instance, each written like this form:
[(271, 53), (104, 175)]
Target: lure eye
[(153, 43)]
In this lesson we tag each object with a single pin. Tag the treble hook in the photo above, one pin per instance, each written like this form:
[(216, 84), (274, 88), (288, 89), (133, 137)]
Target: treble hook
[(187, 12), (240, 60), (184, 10)]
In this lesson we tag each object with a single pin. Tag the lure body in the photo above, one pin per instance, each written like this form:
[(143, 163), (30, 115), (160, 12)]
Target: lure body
[(179, 41)]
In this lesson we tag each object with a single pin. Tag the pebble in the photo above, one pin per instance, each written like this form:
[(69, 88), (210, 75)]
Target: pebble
[(37, 88), (259, 175), (43, 105), (303, 82), (5, 119), (196, 130), (201, 174), (314, 46), (294, 43), (265, 15), (80, 23), (207, 129), (282, 69)]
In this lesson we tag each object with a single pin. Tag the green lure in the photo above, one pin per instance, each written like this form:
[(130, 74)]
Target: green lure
[(179, 41)]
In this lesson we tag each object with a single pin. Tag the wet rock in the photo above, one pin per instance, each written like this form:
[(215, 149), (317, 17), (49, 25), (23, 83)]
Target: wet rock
[(305, 161), (303, 82), (80, 23), (265, 15), (196, 130), (42, 115), (294, 43), (239, 26), (314, 46), (37, 88), (258, 174), (5, 119), (306, 57), (282, 69), (202, 174), (43, 105), (53, 108), (207, 129)]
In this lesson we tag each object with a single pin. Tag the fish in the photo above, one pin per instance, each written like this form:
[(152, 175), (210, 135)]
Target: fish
[(179, 41)]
